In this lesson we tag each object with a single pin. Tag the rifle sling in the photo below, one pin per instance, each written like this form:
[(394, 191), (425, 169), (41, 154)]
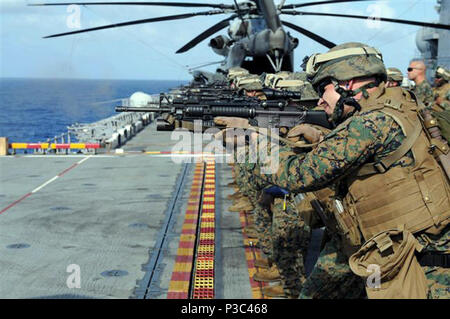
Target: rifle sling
[(383, 165)]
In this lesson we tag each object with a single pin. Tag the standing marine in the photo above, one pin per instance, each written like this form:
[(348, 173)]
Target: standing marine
[(442, 89), (422, 89)]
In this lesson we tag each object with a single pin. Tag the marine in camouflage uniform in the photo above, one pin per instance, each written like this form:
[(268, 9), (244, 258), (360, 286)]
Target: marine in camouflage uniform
[(291, 81), (365, 132), (331, 276), (283, 235), (442, 89), (424, 92), (290, 234), (394, 77), (262, 218), (248, 187), (290, 240), (422, 89)]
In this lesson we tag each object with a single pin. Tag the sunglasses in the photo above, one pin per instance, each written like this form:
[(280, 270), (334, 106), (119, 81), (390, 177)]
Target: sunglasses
[(410, 69), (321, 87)]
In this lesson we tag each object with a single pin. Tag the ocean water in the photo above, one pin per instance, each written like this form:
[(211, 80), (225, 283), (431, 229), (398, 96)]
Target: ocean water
[(33, 110)]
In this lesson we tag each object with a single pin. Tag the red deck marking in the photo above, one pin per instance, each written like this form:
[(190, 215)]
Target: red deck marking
[(181, 275), (204, 266), (62, 146), (176, 295), (188, 231), (43, 185), (54, 146), (68, 169), (203, 283), (251, 253), (184, 244), (34, 145), (16, 202), (183, 259), (90, 145)]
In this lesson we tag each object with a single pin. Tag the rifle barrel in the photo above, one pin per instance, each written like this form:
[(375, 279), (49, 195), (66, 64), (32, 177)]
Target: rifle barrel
[(142, 109)]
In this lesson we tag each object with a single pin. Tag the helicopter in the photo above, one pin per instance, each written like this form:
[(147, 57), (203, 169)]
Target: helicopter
[(256, 39), (434, 45)]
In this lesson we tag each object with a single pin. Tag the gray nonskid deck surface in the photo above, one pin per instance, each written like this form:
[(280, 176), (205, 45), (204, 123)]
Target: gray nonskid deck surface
[(232, 275), (104, 214)]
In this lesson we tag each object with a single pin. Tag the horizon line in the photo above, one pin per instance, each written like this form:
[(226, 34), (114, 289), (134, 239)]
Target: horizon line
[(95, 79)]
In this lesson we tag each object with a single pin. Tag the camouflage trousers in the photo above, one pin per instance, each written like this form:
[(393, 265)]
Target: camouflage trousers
[(332, 277), (263, 226), (438, 282), (438, 278), (290, 240), (263, 217), (250, 188)]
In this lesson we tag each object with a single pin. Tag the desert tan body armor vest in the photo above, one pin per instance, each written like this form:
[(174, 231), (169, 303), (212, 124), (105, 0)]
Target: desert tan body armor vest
[(441, 91), (381, 197)]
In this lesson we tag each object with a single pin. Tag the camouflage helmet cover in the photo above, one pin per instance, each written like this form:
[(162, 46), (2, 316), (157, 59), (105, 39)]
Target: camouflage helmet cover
[(441, 72), (394, 74), (345, 62), (249, 82), (270, 78), (235, 72)]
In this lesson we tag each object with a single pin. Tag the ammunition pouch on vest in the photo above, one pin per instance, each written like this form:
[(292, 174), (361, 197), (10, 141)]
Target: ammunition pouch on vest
[(265, 200), (443, 118), (306, 211), (389, 259), (347, 225)]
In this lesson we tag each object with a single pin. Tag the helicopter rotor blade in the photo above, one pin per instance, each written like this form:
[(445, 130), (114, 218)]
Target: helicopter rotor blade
[(166, 4), (417, 23), (310, 35), (307, 4), (123, 24), (202, 36)]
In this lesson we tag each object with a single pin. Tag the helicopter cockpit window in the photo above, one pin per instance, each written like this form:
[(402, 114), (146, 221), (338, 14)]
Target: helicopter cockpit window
[(239, 28)]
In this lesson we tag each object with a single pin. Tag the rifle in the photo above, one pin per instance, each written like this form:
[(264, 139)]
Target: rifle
[(270, 94), (193, 97), (262, 113)]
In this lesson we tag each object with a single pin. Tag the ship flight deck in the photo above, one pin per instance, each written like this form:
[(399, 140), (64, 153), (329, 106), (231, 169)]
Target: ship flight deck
[(135, 224)]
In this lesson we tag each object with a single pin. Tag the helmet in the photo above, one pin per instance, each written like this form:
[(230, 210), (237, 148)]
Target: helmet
[(394, 74), (344, 62), (271, 78), (250, 82), (441, 72), (235, 72)]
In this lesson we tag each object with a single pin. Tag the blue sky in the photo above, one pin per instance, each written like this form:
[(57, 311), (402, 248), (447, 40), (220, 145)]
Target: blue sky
[(148, 51)]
